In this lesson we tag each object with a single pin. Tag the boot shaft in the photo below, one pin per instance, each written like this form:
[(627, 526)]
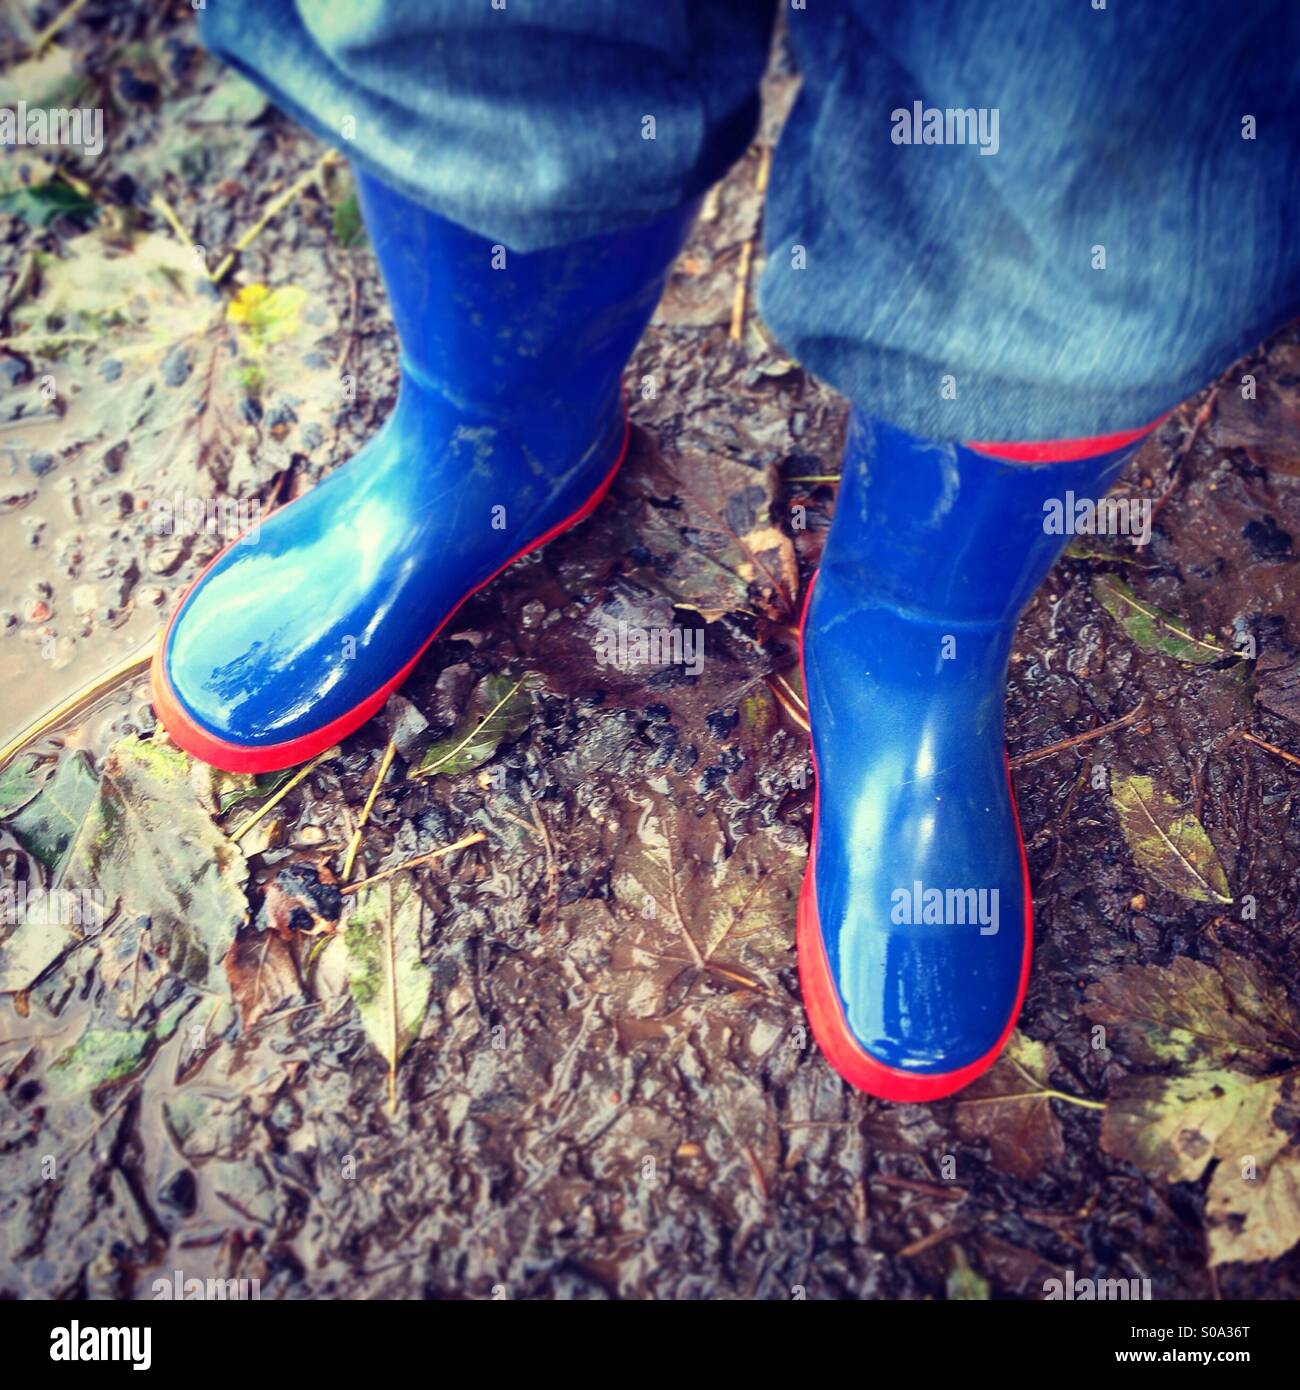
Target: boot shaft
[(936, 528), (500, 333)]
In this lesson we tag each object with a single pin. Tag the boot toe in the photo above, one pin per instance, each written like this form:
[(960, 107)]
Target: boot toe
[(908, 1006)]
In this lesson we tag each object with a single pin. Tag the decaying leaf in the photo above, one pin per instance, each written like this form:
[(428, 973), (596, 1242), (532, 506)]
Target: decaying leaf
[(688, 904), (1167, 842), (263, 975), (1190, 1014), (184, 363), (148, 844), (390, 983), (1152, 628), (100, 1056), (1010, 1107), (499, 711), (47, 825), (710, 526), (1238, 1041)]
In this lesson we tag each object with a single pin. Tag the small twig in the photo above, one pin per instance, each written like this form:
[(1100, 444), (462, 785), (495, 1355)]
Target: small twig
[(1199, 422), (53, 27), (742, 290), (1041, 1093), (284, 791), (926, 1189), (477, 838), (273, 209), (740, 302), (1271, 748), (1036, 754), (815, 478), (788, 705), (355, 844), (934, 1238), (164, 209)]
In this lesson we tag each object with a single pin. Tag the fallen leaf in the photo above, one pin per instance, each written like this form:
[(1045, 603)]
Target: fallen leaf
[(1168, 843), (689, 905), (184, 372), (100, 1056), (263, 975), (1231, 1030), (40, 204), (1010, 1108), (389, 982), (31, 947), (148, 844), (499, 712), (19, 783), (709, 523), (1152, 628), (47, 825), (1190, 1014)]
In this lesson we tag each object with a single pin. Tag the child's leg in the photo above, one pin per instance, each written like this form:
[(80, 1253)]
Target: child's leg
[(1008, 222)]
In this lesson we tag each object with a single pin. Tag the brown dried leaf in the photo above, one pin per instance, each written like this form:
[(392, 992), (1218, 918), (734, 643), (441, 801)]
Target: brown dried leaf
[(1010, 1108)]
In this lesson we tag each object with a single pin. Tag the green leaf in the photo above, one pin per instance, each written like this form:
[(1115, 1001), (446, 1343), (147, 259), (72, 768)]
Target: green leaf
[(388, 980), (40, 205), (349, 230), (20, 782), (1168, 843), (150, 846), (1152, 628), (963, 1284), (97, 1058), (499, 711), (47, 825)]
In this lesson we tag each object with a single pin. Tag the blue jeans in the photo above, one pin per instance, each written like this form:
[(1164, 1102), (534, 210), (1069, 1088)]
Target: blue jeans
[(987, 219)]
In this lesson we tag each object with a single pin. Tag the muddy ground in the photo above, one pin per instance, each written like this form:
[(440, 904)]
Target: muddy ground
[(604, 1086)]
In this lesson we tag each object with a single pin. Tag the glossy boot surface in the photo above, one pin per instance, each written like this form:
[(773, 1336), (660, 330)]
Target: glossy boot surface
[(933, 552), (508, 428)]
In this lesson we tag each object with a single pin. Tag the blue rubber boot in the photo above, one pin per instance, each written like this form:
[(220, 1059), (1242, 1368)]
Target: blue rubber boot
[(915, 919), (508, 428)]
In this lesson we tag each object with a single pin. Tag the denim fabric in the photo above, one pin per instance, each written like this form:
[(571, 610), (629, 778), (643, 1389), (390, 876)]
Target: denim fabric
[(955, 293), (523, 124)]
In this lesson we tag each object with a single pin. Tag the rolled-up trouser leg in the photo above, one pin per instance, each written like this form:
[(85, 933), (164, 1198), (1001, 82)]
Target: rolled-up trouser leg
[(534, 124), (1117, 224)]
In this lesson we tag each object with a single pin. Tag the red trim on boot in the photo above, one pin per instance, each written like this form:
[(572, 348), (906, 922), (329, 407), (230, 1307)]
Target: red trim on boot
[(1065, 450)]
